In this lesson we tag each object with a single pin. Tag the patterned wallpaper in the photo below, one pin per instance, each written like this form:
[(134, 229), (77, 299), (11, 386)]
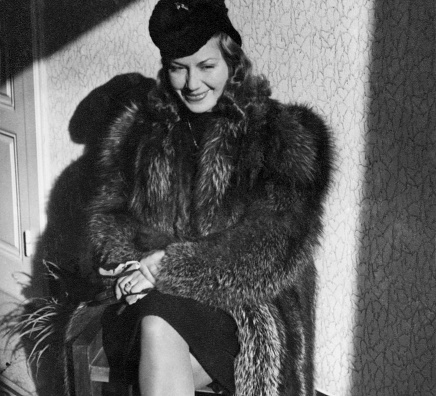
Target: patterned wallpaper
[(368, 66), (117, 45)]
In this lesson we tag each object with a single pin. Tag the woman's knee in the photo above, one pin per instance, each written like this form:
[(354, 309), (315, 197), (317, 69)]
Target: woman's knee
[(158, 332), (154, 327)]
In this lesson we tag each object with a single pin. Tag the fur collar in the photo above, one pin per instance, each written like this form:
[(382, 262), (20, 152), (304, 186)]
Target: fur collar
[(162, 163)]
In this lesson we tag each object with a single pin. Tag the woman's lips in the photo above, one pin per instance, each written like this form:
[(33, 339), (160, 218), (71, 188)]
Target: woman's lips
[(196, 97)]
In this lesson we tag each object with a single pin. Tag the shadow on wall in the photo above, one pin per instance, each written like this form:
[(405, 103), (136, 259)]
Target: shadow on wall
[(63, 22), (64, 241), (64, 244), (395, 337)]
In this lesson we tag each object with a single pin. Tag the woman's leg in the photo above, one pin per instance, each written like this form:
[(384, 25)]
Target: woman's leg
[(201, 378), (166, 366)]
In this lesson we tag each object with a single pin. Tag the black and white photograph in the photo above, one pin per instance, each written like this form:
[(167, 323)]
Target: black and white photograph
[(233, 197)]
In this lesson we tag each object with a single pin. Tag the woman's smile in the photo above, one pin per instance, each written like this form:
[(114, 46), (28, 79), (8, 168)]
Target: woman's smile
[(195, 97), (199, 79)]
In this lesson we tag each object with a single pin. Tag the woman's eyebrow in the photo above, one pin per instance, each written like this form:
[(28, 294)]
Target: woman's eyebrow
[(199, 63), (206, 61), (177, 63)]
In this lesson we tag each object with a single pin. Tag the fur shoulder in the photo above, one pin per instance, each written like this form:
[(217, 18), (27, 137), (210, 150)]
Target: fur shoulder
[(133, 123), (118, 133), (300, 143)]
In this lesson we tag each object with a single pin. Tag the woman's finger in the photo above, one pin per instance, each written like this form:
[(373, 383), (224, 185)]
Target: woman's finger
[(118, 291), (133, 283), (125, 283), (132, 299), (141, 285)]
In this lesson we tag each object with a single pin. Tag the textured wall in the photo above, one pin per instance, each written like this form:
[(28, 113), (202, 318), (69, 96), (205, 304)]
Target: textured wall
[(367, 69), (318, 53), (116, 45)]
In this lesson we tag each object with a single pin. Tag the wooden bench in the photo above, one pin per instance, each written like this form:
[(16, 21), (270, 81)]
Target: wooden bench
[(92, 374)]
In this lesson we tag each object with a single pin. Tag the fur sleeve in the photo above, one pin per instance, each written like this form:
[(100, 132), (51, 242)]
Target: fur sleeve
[(269, 247), (115, 234), (111, 231)]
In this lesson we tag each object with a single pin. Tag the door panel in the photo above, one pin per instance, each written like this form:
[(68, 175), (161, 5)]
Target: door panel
[(9, 222), (19, 199), (6, 94)]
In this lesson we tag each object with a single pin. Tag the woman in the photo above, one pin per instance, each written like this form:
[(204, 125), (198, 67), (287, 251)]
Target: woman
[(216, 190)]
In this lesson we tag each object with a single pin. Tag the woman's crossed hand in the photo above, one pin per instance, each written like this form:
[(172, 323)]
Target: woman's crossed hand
[(135, 284)]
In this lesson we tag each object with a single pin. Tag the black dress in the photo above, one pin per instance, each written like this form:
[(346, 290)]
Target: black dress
[(211, 333)]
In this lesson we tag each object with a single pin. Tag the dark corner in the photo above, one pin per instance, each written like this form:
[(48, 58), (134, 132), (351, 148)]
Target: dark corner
[(395, 338)]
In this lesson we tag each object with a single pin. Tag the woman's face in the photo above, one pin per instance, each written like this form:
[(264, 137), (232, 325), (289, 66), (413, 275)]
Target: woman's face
[(199, 79)]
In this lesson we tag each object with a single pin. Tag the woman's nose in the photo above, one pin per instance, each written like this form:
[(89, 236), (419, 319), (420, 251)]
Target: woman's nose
[(192, 80)]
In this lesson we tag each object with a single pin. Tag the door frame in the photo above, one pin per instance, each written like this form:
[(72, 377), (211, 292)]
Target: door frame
[(41, 126), (35, 159)]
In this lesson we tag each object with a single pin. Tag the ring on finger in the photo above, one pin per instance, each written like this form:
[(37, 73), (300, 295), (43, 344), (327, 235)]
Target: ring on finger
[(128, 286)]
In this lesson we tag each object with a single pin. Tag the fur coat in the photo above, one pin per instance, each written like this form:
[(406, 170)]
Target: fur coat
[(238, 222)]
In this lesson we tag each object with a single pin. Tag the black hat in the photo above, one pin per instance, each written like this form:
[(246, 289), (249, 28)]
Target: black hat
[(181, 28)]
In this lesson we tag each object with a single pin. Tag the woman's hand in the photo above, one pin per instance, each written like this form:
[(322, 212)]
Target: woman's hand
[(131, 285), (150, 265), (134, 282)]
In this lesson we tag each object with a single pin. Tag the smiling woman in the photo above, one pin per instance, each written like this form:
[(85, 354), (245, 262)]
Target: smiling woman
[(199, 79), (216, 191)]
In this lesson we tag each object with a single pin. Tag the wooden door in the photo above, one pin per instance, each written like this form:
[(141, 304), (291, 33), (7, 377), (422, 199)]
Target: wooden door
[(19, 199)]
